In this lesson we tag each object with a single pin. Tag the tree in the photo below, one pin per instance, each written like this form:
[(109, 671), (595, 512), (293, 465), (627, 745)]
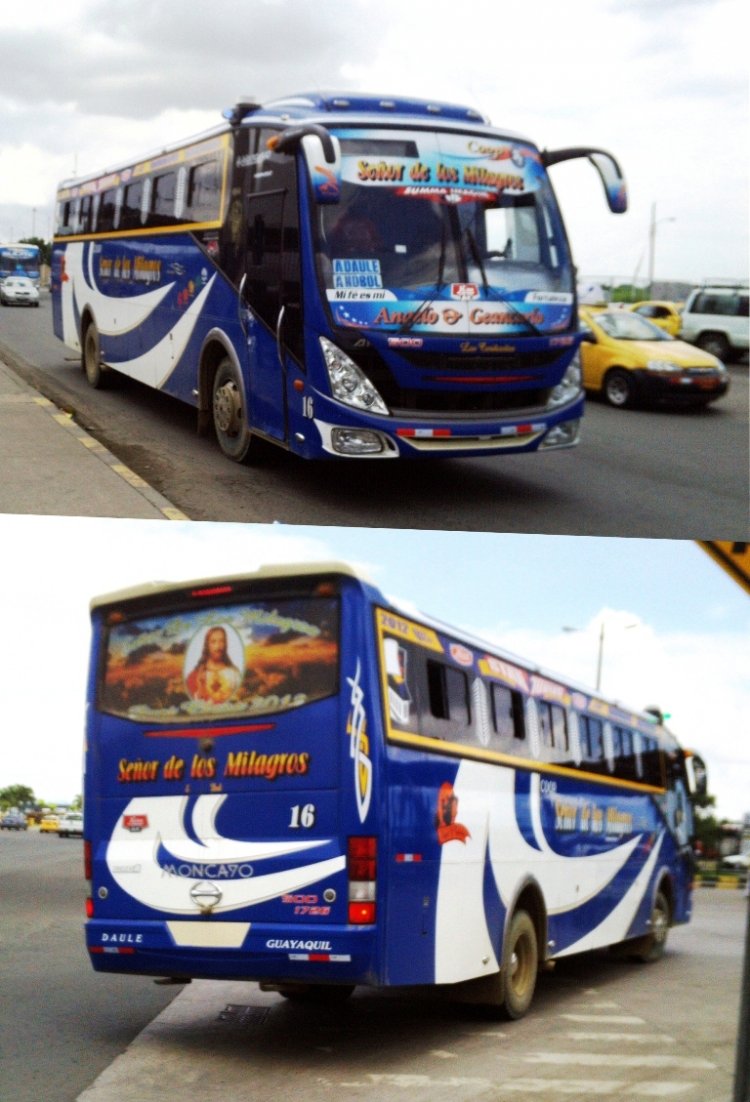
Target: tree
[(16, 795)]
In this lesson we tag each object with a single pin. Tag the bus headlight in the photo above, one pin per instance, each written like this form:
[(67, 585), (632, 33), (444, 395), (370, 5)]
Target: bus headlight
[(569, 386), (349, 384)]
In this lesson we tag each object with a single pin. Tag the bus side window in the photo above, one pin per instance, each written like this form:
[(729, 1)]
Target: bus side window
[(652, 773), (130, 215), (107, 210), (592, 748), (203, 200), (84, 218), (163, 194), (559, 729), (545, 728), (448, 690), (626, 764), (508, 718)]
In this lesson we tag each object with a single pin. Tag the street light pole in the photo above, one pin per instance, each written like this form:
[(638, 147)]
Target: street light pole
[(652, 246), (600, 657), (600, 648)]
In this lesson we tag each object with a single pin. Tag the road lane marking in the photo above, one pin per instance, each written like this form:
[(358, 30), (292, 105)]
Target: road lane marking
[(617, 1060), (616, 1038)]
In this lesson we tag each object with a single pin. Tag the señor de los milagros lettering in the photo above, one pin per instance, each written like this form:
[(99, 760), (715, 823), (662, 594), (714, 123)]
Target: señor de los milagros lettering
[(243, 763)]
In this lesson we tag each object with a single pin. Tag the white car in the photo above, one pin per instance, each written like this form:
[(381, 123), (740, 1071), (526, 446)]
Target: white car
[(737, 860), (18, 291), (71, 825), (715, 318)]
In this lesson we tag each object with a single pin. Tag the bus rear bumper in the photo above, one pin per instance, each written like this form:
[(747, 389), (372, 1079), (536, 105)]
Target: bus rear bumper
[(213, 948)]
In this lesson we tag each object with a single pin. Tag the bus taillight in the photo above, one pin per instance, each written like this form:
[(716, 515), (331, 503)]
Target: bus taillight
[(87, 864), (362, 870)]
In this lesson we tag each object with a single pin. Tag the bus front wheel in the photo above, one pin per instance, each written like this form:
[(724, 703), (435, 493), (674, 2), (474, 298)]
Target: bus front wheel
[(229, 413), (521, 965)]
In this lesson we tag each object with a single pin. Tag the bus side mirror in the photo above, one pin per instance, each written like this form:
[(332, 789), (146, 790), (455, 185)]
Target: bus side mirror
[(322, 154), (698, 775), (323, 158), (605, 164)]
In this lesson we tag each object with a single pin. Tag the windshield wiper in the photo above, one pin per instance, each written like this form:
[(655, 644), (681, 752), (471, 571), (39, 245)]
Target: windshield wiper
[(490, 291), (440, 283)]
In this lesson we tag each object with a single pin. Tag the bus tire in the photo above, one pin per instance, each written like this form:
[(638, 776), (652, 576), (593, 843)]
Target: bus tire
[(652, 947), (521, 965), (96, 373), (229, 414), (618, 389)]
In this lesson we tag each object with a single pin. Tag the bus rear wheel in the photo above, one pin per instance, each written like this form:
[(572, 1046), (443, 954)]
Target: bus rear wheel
[(229, 413), (91, 361), (652, 947), (521, 965)]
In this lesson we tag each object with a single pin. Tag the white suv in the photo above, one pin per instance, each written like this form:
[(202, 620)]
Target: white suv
[(71, 825), (716, 319)]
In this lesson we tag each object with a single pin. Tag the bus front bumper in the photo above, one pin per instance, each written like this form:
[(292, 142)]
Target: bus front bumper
[(363, 436)]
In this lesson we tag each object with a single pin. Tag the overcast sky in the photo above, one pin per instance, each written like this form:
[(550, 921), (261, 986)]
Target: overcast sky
[(676, 627), (663, 85)]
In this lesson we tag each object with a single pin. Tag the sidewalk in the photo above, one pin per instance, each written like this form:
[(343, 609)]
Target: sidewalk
[(50, 466)]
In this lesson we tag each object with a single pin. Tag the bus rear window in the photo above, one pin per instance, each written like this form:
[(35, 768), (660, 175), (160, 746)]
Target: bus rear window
[(248, 659)]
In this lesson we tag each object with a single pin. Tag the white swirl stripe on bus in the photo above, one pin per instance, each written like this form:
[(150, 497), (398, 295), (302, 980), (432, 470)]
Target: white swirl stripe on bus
[(486, 807), (150, 367), (133, 858), (114, 315)]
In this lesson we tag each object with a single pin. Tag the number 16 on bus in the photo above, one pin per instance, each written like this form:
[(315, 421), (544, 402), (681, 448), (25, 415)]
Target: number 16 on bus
[(340, 275)]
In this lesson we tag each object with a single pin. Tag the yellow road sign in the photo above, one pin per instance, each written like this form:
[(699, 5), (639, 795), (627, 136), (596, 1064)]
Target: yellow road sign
[(734, 557)]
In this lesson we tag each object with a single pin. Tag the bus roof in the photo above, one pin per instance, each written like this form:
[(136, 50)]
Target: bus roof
[(221, 584), (328, 108), (264, 573)]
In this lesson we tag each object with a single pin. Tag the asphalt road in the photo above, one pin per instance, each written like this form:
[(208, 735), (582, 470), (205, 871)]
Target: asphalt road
[(599, 1027), (648, 473), (61, 1024)]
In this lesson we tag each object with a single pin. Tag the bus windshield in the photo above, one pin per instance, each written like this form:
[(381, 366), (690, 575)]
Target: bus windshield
[(443, 233), (252, 658)]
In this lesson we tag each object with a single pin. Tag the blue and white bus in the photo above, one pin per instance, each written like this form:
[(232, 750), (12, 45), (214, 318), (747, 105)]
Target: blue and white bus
[(290, 780), (20, 259), (342, 276)]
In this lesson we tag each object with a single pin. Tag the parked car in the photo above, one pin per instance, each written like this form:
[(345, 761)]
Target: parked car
[(18, 291), (716, 320), (49, 824), (626, 358), (667, 315), (737, 861), (13, 820), (71, 825)]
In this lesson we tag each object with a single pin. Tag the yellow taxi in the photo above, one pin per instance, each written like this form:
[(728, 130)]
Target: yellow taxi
[(49, 824), (627, 359), (666, 315)]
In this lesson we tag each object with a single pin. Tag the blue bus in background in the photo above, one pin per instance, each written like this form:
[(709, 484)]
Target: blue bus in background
[(20, 259), (288, 779), (340, 275)]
